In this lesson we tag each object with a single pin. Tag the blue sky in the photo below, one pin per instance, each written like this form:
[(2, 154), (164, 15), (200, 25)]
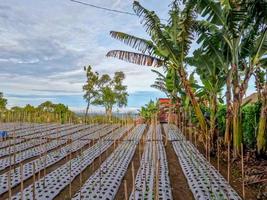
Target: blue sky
[(45, 44)]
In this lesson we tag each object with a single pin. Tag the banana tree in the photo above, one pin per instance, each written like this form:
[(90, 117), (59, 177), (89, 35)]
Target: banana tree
[(241, 26), (169, 45), (212, 76), (261, 85)]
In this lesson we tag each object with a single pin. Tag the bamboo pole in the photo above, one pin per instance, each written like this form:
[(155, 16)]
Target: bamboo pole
[(33, 188), (243, 174), (21, 183), (125, 190), (228, 162), (218, 156), (9, 185), (157, 179), (133, 177), (70, 176), (81, 173)]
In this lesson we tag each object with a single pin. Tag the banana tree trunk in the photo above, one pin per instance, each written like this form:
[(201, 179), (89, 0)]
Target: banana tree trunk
[(195, 104), (261, 137), (213, 109), (227, 136), (237, 136)]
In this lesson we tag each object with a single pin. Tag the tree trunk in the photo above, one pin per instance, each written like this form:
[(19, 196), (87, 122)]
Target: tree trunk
[(213, 109), (195, 104), (261, 137), (237, 136), (227, 136), (87, 110), (109, 113)]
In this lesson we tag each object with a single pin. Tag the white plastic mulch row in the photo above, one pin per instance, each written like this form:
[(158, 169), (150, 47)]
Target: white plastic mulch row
[(26, 144), (56, 132), (36, 133), (147, 176), (105, 182), (172, 132), (46, 161), (154, 133), (18, 127), (17, 140), (21, 146), (34, 129), (35, 151), (204, 180), (58, 179)]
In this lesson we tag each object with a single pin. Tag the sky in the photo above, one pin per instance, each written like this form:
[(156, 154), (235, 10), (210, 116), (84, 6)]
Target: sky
[(45, 44)]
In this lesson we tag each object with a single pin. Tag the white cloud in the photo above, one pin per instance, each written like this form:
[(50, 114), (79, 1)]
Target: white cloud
[(45, 44)]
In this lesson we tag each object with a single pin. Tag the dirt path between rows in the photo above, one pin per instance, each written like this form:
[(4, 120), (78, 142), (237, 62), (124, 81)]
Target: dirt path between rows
[(179, 185)]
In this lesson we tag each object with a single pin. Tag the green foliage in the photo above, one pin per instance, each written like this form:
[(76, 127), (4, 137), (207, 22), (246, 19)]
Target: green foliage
[(111, 92), (149, 110), (45, 112), (221, 119), (250, 121), (3, 102), (91, 86)]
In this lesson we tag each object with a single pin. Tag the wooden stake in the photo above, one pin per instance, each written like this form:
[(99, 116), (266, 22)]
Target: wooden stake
[(21, 179), (70, 176), (157, 179), (228, 162), (125, 190), (218, 156), (81, 173), (33, 188), (243, 174), (9, 185), (133, 177)]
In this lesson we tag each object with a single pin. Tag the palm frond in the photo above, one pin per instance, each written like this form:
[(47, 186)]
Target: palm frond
[(136, 58), (140, 44), (160, 88), (158, 73)]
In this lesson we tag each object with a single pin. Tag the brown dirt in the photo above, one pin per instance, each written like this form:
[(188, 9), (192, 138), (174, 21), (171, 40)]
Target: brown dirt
[(179, 185)]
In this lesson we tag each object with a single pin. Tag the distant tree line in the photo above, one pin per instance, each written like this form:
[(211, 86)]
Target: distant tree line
[(46, 112)]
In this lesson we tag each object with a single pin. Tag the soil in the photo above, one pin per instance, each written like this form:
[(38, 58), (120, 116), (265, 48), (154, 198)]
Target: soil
[(179, 185)]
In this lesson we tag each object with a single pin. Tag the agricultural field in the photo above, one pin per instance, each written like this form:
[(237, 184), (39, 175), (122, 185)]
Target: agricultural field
[(105, 161)]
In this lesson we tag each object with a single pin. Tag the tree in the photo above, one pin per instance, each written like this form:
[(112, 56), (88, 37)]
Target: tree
[(3, 102), (91, 87), (241, 27), (111, 92), (168, 46), (47, 106), (149, 111)]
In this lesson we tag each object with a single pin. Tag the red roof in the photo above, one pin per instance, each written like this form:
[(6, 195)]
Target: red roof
[(164, 100)]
